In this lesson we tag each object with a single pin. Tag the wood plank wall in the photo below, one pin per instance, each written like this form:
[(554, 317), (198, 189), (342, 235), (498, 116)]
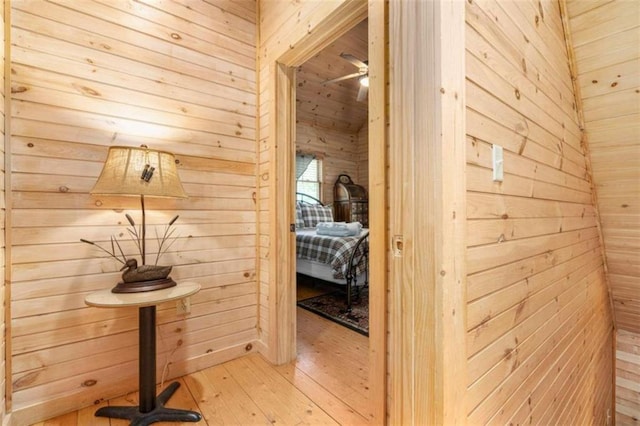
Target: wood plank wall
[(3, 210), (179, 76), (337, 149), (539, 340), (605, 36), (362, 156), (281, 24), (627, 378)]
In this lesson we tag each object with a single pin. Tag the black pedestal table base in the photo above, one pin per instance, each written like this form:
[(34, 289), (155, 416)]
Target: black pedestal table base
[(159, 414), (151, 408)]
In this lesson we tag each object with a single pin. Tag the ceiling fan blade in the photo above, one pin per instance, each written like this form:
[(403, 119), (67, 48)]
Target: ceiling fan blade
[(355, 61), (362, 93), (344, 77)]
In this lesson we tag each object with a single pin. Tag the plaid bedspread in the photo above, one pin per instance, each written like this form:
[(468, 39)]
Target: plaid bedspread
[(335, 251)]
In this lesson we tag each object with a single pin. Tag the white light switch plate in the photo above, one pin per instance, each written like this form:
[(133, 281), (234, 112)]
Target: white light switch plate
[(498, 163)]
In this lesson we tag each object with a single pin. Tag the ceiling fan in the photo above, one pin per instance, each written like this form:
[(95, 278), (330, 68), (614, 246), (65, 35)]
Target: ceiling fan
[(362, 74)]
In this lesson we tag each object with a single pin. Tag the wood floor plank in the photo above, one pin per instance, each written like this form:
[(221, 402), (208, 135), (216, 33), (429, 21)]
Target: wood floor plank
[(182, 399), (86, 416), (221, 399), (334, 406), (308, 410), (326, 385)]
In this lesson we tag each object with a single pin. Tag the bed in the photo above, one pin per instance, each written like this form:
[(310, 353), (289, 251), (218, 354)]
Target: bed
[(336, 259)]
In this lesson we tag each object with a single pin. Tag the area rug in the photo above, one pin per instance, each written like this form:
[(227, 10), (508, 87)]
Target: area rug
[(333, 307)]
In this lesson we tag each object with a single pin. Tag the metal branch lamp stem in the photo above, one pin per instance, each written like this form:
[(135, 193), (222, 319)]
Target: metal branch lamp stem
[(143, 172), (143, 251)]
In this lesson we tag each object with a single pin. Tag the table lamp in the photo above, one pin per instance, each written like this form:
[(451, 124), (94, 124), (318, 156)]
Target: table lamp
[(132, 171)]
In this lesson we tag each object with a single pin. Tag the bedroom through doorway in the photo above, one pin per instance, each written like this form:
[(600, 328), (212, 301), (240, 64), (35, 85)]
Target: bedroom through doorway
[(332, 156)]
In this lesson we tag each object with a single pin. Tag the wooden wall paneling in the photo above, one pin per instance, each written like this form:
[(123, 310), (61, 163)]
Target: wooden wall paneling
[(96, 74), (627, 377), (362, 156), (536, 283), (5, 246), (333, 105), (337, 149), (608, 80)]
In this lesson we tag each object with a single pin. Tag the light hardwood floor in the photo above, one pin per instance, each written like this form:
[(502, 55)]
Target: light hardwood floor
[(326, 385)]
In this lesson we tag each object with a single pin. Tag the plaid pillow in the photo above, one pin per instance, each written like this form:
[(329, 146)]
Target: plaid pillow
[(314, 213), (299, 220)]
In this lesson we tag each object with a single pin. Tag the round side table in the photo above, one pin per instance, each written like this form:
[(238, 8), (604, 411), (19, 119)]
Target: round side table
[(151, 409)]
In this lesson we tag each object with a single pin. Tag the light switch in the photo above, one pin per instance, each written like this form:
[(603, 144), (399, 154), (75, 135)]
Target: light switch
[(498, 164)]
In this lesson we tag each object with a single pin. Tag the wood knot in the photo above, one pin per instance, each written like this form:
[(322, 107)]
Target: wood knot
[(30, 145), (18, 89), (89, 91), (63, 189), (504, 216), (517, 94), (176, 36), (89, 382), (98, 203), (248, 347)]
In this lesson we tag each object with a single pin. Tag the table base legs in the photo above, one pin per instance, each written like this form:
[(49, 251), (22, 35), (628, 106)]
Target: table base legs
[(159, 414)]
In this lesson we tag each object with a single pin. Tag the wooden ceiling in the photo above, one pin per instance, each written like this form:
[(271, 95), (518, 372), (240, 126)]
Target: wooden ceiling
[(606, 37), (333, 105)]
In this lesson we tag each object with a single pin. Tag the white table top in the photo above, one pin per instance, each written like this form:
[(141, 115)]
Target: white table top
[(107, 299)]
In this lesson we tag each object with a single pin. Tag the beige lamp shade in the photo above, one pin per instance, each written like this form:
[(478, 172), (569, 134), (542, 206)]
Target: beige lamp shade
[(139, 171)]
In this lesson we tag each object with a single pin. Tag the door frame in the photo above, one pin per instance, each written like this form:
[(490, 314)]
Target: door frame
[(335, 25)]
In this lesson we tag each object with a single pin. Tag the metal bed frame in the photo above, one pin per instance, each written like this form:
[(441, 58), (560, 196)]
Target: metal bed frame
[(354, 261)]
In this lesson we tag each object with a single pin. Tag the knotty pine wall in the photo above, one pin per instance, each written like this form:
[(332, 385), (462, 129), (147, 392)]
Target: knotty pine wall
[(178, 76), (539, 341), (337, 149), (627, 378), (605, 37), (362, 154), (3, 218)]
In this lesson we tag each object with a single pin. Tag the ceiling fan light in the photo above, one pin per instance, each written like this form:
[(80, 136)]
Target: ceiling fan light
[(364, 81)]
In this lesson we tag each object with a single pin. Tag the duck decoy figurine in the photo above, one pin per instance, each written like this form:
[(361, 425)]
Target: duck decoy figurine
[(143, 278)]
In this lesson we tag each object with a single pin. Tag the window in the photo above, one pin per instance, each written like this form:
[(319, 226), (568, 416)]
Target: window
[(308, 175)]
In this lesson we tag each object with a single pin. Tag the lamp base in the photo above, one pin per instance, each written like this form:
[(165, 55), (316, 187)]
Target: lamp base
[(140, 286)]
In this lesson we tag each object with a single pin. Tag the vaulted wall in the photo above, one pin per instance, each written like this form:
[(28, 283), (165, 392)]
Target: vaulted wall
[(605, 38), (539, 339), (86, 75)]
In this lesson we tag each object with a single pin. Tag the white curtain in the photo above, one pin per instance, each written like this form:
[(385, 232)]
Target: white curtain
[(302, 162)]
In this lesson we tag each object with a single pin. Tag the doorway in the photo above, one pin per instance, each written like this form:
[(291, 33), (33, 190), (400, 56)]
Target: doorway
[(283, 327)]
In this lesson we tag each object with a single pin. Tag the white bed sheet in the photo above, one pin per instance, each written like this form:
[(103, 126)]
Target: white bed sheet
[(323, 271)]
